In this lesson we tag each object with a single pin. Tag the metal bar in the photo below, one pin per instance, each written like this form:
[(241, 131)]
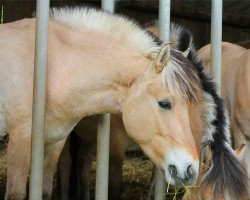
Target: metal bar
[(108, 5), (39, 99), (216, 38), (1, 12), (164, 34), (160, 184), (164, 20), (103, 138), (102, 166)]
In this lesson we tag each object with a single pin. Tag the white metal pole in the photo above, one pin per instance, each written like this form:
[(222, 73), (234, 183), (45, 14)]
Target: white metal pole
[(164, 20), (103, 138), (160, 184), (108, 5), (216, 38), (102, 166), (39, 99), (164, 34)]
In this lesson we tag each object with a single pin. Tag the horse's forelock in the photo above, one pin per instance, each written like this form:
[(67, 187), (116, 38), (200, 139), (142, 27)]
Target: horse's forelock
[(181, 78)]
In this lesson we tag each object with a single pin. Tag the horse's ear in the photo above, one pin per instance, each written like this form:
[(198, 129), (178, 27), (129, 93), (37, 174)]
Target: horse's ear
[(181, 38), (239, 150), (185, 53), (162, 57)]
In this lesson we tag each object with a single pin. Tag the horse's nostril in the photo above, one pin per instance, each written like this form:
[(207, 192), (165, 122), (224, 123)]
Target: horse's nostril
[(190, 171), (172, 169)]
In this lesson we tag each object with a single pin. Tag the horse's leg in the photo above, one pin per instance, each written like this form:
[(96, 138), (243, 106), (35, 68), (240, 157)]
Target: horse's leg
[(85, 158), (64, 170), (52, 153), (18, 162), (118, 143)]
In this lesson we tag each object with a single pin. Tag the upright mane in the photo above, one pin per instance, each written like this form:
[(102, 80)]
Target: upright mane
[(181, 79), (117, 27), (226, 174)]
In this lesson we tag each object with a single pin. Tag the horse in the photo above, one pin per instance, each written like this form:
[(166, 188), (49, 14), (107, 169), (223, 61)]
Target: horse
[(230, 53), (110, 65), (235, 90), (119, 143), (245, 44), (118, 140)]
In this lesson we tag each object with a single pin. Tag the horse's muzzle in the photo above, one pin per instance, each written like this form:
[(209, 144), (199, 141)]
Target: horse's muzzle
[(181, 168), (186, 178)]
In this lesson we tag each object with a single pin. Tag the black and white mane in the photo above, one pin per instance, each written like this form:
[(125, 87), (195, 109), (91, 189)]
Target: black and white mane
[(226, 173)]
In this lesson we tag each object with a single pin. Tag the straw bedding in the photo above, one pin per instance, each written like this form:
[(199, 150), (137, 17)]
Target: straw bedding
[(137, 172)]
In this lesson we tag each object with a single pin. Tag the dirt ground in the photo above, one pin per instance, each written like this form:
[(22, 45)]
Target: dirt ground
[(136, 173)]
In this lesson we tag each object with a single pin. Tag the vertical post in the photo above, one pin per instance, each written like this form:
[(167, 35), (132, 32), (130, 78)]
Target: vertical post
[(1, 12), (103, 137), (164, 33), (160, 184), (108, 5), (216, 38), (164, 19), (102, 167), (39, 99)]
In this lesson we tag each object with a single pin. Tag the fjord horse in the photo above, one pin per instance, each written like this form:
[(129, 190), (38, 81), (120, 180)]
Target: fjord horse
[(99, 63), (119, 142), (236, 92), (182, 40)]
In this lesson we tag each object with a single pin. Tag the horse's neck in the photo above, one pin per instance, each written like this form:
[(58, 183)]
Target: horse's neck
[(98, 71)]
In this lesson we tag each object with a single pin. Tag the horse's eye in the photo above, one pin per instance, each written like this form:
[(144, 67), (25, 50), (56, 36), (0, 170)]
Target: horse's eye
[(165, 104)]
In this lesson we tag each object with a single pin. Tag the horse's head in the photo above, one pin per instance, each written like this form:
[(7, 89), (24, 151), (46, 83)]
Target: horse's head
[(155, 115), (226, 171)]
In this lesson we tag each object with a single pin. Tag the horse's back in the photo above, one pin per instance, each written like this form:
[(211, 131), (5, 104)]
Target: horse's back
[(228, 49), (231, 53), (242, 103), (234, 83)]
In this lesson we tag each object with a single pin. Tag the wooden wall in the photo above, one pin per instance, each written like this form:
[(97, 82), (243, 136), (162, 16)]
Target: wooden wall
[(19, 9), (199, 28)]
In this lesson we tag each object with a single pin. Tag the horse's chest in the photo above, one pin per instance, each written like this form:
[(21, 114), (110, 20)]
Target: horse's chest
[(58, 132)]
